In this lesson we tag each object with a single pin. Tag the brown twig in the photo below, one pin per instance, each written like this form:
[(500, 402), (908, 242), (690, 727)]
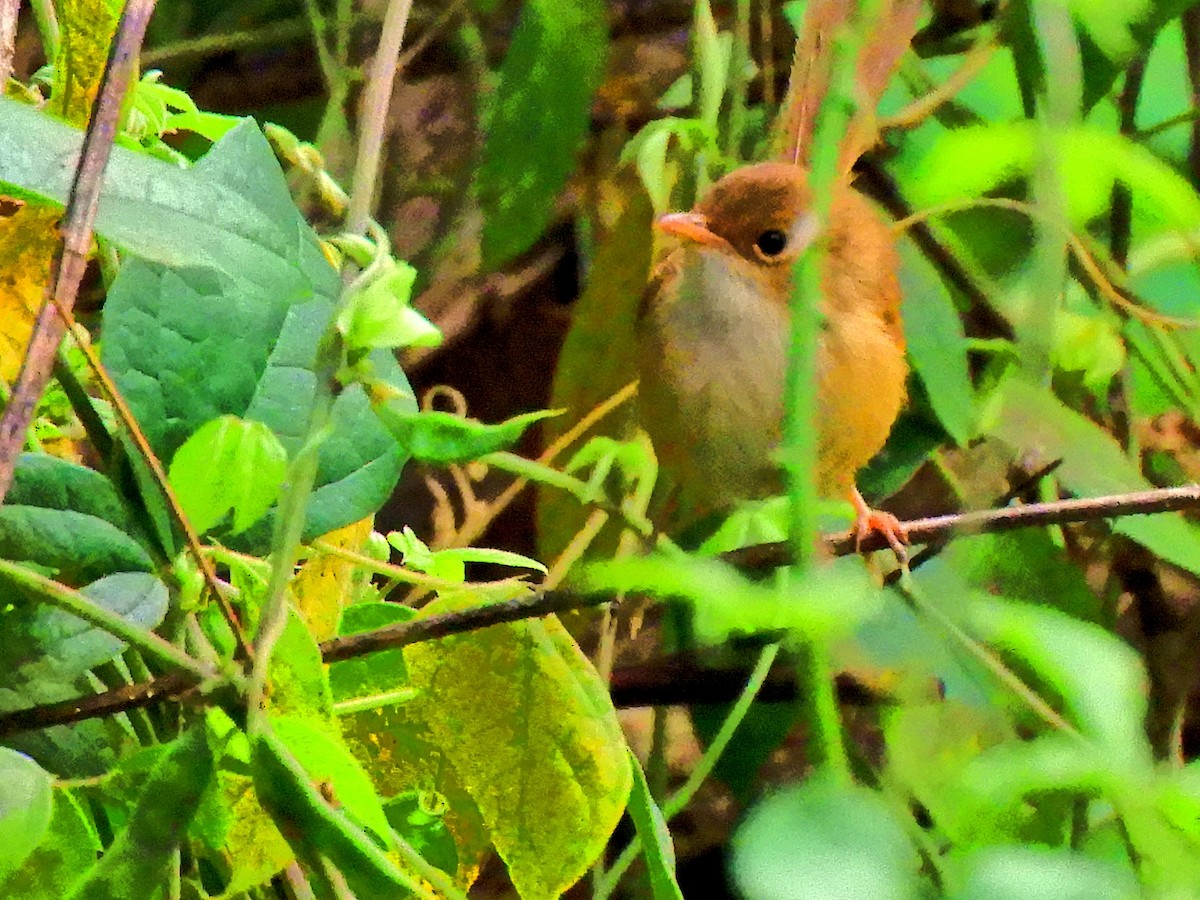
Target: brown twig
[(989, 521), (764, 556), (8, 36), (71, 258), (376, 98)]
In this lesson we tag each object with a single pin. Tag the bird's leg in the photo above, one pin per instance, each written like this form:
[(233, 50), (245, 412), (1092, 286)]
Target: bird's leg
[(867, 520)]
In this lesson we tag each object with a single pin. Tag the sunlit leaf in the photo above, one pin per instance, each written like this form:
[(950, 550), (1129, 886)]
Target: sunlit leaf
[(936, 344), (1034, 421), (228, 464), (828, 601), (1037, 873), (329, 764), (973, 161)]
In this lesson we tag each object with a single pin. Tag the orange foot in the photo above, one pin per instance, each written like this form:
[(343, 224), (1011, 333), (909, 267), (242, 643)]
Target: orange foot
[(867, 520)]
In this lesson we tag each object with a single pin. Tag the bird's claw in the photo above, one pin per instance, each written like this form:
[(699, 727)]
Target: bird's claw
[(874, 520), (867, 520)]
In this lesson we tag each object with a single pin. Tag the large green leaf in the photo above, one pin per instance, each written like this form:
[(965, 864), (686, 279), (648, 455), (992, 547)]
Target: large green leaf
[(540, 114), (531, 733), (44, 654), (974, 161), (1037, 873), (220, 305), (52, 483), (78, 547)]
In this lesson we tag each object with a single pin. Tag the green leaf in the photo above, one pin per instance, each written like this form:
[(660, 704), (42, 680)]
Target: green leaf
[(937, 344), (1025, 565), (77, 547), (1037, 873), (450, 564), (228, 464), (44, 654), (222, 305), (25, 808), (43, 650), (1099, 677), (954, 734), (651, 825), (327, 761), (229, 214), (598, 354), (823, 838), (68, 848), (829, 601), (51, 483), (443, 438), (543, 757), (540, 114), (1034, 422), (713, 52), (1091, 346), (315, 830), (1112, 33), (379, 315), (138, 862), (299, 684), (974, 161), (377, 679)]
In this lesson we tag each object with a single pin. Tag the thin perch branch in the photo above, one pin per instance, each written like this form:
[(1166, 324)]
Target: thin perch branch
[(763, 556)]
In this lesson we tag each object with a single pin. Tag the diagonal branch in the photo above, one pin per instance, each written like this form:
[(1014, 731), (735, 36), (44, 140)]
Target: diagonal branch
[(929, 531), (76, 239)]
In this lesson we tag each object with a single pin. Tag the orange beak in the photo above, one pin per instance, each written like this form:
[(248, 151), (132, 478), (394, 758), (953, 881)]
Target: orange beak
[(688, 226)]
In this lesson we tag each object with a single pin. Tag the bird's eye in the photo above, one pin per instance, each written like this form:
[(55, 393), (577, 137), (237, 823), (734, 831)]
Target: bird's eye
[(771, 242)]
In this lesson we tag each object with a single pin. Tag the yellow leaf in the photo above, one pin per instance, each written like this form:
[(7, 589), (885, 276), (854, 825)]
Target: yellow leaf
[(530, 732), (27, 242), (326, 582), (87, 30)]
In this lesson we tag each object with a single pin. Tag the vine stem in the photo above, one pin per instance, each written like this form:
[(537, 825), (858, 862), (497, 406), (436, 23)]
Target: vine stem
[(302, 472)]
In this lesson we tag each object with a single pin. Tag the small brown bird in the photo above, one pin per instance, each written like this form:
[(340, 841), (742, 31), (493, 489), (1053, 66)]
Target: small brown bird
[(713, 333)]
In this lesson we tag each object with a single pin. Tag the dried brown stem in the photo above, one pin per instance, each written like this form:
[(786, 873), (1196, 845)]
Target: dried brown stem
[(71, 259)]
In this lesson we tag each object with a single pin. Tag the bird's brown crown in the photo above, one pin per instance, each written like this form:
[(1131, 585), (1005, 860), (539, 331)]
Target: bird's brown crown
[(757, 209)]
